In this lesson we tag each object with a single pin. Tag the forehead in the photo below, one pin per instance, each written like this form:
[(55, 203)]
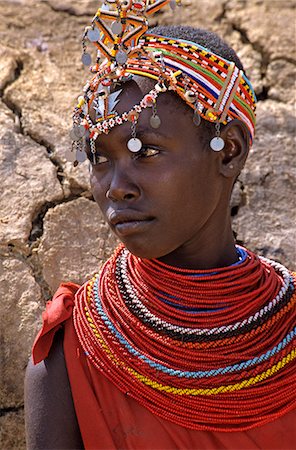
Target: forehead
[(133, 91), (176, 117)]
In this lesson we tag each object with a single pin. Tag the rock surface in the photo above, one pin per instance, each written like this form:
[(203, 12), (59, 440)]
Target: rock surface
[(43, 196), (269, 180), (20, 308), (29, 180), (75, 242)]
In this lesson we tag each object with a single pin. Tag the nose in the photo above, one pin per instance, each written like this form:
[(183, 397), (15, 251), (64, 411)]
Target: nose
[(122, 185)]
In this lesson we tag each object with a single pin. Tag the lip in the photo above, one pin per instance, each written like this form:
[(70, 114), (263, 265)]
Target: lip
[(128, 228), (128, 221)]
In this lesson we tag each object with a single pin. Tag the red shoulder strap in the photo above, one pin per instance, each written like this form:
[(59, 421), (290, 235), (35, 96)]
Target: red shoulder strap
[(57, 311)]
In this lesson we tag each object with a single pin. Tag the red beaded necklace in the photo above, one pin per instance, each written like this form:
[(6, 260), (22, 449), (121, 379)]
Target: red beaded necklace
[(208, 350)]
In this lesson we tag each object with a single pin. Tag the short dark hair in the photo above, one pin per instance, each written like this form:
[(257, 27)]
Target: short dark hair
[(207, 39)]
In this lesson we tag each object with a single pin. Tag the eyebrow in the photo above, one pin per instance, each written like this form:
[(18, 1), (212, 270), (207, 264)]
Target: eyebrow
[(142, 131), (148, 131)]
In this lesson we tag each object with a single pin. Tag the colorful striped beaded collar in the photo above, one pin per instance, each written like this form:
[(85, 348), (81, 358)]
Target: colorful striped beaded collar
[(184, 366)]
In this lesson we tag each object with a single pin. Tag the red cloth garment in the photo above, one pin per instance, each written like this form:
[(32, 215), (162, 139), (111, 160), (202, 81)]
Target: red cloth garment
[(109, 419)]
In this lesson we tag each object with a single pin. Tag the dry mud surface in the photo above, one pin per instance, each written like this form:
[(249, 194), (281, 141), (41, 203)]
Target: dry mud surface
[(50, 228)]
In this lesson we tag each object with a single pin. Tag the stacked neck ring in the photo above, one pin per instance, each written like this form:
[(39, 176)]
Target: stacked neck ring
[(183, 343), (212, 86)]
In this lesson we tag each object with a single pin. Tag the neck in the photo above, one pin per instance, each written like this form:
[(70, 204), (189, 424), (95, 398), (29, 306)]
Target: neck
[(207, 252)]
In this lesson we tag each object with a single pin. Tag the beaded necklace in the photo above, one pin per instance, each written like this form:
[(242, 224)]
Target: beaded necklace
[(219, 355)]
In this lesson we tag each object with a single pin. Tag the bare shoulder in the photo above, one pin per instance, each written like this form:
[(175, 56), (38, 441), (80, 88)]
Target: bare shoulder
[(50, 416)]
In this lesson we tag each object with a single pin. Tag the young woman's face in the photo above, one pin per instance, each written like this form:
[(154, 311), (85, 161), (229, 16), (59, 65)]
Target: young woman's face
[(166, 200)]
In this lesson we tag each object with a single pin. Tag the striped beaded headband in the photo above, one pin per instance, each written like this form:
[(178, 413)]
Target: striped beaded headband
[(212, 86)]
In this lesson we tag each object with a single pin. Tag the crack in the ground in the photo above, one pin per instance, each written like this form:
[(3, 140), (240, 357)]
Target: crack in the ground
[(31, 261), (265, 58), (30, 258), (17, 73), (51, 154), (37, 222), (235, 210), (17, 112), (222, 15), (34, 240), (36, 270), (11, 409), (10, 105), (284, 58), (242, 199)]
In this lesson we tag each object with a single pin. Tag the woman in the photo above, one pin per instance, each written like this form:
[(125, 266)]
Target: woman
[(184, 340)]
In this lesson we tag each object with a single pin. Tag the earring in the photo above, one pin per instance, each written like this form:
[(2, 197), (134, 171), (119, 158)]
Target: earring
[(217, 143), (85, 58)]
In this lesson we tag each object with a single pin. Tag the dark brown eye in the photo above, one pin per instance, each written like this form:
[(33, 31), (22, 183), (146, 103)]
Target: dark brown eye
[(147, 152), (150, 151), (97, 159)]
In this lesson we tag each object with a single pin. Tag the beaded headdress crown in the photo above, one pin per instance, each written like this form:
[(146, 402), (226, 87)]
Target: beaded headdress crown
[(212, 86)]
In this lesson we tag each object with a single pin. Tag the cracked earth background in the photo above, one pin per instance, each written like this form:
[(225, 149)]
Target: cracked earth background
[(50, 228)]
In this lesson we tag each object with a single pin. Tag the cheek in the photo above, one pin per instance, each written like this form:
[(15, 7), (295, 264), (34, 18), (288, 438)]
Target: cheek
[(99, 187)]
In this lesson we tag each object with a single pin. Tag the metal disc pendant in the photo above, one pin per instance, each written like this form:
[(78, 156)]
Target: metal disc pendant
[(217, 144), (86, 59), (116, 27), (121, 57), (173, 5), (80, 156), (77, 132), (134, 145), (93, 35), (70, 155), (155, 121), (73, 136), (196, 119)]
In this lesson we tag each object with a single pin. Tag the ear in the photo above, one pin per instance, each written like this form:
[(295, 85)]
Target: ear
[(236, 148)]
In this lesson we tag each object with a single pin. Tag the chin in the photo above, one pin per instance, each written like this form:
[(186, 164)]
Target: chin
[(142, 251)]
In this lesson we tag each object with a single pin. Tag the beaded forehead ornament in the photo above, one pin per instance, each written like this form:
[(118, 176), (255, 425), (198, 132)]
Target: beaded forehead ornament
[(212, 86)]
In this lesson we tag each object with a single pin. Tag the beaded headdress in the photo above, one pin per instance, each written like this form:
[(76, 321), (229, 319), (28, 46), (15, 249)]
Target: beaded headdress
[(212, 86)]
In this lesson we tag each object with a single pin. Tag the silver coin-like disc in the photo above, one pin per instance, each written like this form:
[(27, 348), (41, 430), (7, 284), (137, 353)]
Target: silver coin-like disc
[(80, 156), (196, 119), (155, 121), (173, 5), (86, 59), (217, 144), (116, 27), (70, 155), (93, 35), (121, 57), (77, 132), (134, 145), (73, 135)]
